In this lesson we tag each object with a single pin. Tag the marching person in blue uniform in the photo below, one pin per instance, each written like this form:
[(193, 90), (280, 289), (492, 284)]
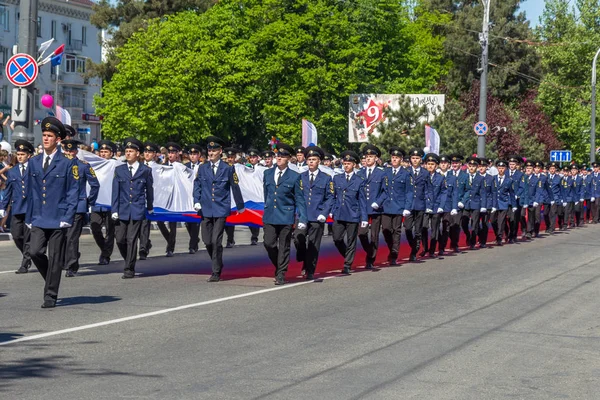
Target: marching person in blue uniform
[(100, 215), (553, 198), (283, 199), (300, 160), (150, 152), (433, 215), (396, 181), (450, 207), (267, 157), (472, 200), (514, 214), (595, 188), (530, 197), (484, 217), (574, 197), (17, 192), (51, 206), (349, 208), (213, 186), (170, 232), (253, 159), (419, 196), (456, 218), (318, 192), (503, 198), (230, 153), (375, 194), (533, 224), (586, 190), (84, 201), (132, 196), (193, 228)]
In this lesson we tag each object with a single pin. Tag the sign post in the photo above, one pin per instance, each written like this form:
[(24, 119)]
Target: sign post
[(19, 102)]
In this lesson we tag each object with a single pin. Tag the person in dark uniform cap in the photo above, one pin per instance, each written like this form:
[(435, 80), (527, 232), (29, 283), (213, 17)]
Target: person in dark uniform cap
[(472, 200), (484, 217), (595, 191), (193, 228), (349, 208), (283, 198), (149, 159), (15, 197), (132, 196), (433, 214), (553, 200), (100, 215), (318, 192), (170, 232), (84, 202), (514, 214), (396, 181), (253, 159), (375, 194), (267, 156), (328, 160), (419, 195), (456, 163), (301, 162), (213, 186), (450, 206), (51, 207), (231, 154)]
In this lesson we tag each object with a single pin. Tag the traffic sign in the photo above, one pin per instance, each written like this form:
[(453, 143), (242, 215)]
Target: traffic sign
[(19, 105), (480, 128), (21, 70), (560, 155)]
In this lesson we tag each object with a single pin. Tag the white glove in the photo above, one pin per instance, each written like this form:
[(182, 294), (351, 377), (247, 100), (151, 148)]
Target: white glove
[(483, 210), (552, 203), (406, 213), (535, 204), (461, 205), (151, 211), (321, 218), (2, 213), (440, 210), (301, 226), (564, 204), (197, 206), (364, 224), (429, 211), (593, 199), (240, 211), (453, 212), (330, 215), (28, 226), (374, 206), (115, 216), (64, 224), (525, 206), (581, 200), (576, 202), (494, 210), (514, 209)]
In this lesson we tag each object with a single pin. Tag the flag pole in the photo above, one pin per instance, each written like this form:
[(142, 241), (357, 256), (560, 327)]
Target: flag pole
[(56, 91)]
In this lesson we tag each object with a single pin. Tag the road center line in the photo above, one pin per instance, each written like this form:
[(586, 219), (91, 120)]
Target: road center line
[(154, 313)]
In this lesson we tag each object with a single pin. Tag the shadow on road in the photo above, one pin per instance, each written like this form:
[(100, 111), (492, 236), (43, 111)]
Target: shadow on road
[(70, 301)]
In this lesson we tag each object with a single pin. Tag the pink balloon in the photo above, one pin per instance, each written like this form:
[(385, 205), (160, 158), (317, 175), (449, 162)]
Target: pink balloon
[(47, 101)]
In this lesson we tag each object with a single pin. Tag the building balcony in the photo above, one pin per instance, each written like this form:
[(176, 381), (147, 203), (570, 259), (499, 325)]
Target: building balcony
[(74, 47)]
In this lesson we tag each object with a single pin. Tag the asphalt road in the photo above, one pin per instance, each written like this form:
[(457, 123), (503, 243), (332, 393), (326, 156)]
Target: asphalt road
[(515, 322)]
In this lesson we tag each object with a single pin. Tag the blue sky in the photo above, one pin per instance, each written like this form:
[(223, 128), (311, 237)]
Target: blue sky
[(533, 9)]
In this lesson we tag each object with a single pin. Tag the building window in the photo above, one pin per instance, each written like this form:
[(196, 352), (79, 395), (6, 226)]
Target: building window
[(39, 27), (4, 94), (70, 63), (53, 29), (80, 65), (4, 18), (36, 98), (3, 58), (74, 64), (84, 35)]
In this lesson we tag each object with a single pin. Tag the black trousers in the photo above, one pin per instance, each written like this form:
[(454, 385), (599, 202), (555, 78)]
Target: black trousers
[(128, 233), (588, 210), (594, 210), (145, 242), (430, 221), (72, 243), (230, 231), (212, 236), (550, 214), (534, 219), (370, 242), (413, 226), (446, 225), (20, 234), (347, 248), (170, 234), (277, 241), (105, 243), (455, 221), (47, 248), (193, 229), (470, 225), (578, 213), (254, 232), (391, 225), (514, 218), (308, 245), (484, 219), (500, 224)]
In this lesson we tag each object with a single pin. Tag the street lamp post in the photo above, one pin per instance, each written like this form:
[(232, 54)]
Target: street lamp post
[(483, 39), (593, 128)]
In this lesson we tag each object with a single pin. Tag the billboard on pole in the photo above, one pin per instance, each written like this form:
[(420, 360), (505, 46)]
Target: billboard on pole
[(368, 111)]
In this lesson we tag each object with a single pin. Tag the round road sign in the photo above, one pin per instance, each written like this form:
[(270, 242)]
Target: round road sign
[(21, 70), (480, 128)]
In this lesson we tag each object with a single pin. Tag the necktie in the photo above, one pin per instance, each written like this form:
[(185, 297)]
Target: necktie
[(395, 171), (278, 177), (131, 170), (471, 180), (214, 169), (368, 173), (47, 163), (347, 177), (312, 178), (501, 180), (22, 170)]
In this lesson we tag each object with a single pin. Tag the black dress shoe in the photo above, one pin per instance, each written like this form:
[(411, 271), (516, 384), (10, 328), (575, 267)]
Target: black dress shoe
[(21, 270), (441, 253), (104, 261), (279, 281), (472, 247), (346, 271), (432, 255), (254, 243), (310, 277), (70, 273), (499, 243), (169, 254), (229, 245), (143, 257), (128, 275), (393, 262), (511, 241), (423, 253), (191, 251), (369, 266), (456, 250), (214, 278), (482, 246), (413, 257), (49, 304)]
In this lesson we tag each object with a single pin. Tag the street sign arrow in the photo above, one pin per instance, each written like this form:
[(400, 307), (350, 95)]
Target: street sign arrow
[(19, 105)]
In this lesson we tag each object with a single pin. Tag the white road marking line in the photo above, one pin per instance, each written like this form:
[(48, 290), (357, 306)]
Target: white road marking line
[(159, 312)]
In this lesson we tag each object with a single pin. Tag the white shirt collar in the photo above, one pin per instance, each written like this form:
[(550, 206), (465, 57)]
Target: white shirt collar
[(26, 164), (315, 173), (277, 176), (215, 164), (135, 166), (51, 156), (349, 175)]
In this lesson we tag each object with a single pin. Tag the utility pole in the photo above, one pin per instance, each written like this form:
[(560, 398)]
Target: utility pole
[(27, 43), (483, 40), (593, 129)]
